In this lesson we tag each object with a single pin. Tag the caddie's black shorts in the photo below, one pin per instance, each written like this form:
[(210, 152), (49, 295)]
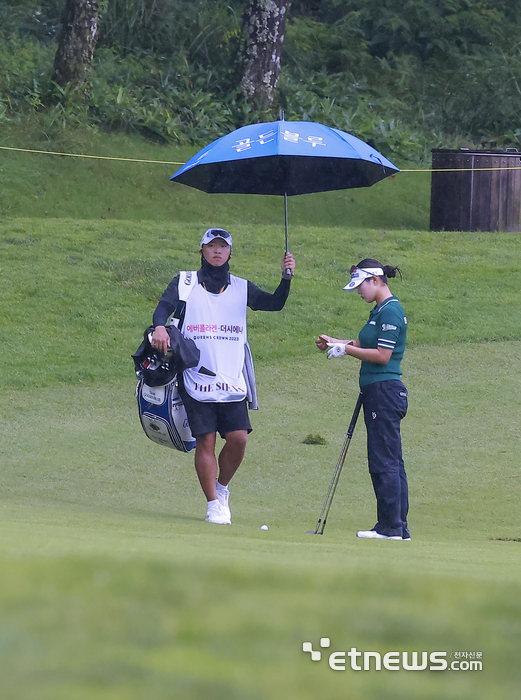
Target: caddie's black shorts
[(213, 417)]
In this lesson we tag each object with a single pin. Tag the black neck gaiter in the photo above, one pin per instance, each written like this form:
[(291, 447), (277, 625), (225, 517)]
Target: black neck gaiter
[(214, 278)]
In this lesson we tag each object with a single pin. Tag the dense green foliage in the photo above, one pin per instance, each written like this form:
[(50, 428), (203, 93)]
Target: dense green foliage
[(410, 75)]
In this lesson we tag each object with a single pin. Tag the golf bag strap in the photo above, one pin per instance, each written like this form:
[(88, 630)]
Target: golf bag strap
[(187, 281), (249, 375)]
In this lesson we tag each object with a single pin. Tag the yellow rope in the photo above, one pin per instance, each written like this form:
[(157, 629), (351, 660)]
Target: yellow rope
[(169, 162), (80, 155), (457, 170)]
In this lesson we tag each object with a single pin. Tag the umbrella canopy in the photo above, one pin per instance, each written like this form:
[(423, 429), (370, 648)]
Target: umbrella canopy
[(284, 158)]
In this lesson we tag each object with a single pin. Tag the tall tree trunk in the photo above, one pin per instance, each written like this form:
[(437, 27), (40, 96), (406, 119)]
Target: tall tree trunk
[(77, 41), (264, 22)]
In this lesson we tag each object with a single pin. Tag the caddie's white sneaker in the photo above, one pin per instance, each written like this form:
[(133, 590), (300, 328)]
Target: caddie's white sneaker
[(223, 496), (217, 514), (373, 535)]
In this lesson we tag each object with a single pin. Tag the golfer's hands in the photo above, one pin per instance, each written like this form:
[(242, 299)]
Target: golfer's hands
[(323, 342), (161, 339), (336, 350), (288, 263)]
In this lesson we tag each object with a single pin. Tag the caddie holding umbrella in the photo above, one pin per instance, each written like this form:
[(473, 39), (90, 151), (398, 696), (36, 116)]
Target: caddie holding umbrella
[(215, 393)]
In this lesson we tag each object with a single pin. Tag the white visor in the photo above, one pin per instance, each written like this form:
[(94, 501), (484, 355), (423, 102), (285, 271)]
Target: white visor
[(359, 275)]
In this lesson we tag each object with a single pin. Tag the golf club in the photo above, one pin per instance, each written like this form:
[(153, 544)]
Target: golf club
[(319, 530)]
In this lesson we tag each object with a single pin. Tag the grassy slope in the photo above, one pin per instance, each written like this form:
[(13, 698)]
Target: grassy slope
[(77, 295), (53, 186), (112, 587)]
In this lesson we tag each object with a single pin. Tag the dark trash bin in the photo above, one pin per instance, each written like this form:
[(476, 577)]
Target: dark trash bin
[(476, 199)]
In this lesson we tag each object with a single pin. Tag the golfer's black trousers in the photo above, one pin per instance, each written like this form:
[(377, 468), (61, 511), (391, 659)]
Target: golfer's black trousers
[(385, 404)]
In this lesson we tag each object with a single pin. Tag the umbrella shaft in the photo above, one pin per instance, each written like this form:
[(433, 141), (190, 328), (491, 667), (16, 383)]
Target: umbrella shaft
[(286, 219)]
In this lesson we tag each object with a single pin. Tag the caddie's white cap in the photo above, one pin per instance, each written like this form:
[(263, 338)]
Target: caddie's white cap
[(359, 274), (212, 233)]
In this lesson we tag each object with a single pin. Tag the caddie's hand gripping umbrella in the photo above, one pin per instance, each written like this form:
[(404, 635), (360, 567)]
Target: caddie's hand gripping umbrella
[(284, 158)]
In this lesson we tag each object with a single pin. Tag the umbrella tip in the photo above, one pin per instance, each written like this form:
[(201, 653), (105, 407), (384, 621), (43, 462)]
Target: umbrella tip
[(281, 115)]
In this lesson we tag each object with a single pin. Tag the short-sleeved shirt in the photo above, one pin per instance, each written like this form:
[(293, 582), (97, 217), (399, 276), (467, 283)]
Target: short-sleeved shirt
[(385, 328)]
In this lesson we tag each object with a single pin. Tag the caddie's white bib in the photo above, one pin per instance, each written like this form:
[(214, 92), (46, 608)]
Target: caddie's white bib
[(217, 325)]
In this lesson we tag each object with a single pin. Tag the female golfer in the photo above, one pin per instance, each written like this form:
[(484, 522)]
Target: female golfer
[(214, 394), (380, 347)]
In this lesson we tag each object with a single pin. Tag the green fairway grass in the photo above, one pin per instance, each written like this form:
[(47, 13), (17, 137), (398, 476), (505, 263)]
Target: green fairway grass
[(112, 586)]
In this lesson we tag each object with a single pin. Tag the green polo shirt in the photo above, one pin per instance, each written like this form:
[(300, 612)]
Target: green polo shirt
[(386, 328)]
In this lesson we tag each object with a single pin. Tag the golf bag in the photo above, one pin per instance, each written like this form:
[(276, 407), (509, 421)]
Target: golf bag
[(163, 415), (161, 409)]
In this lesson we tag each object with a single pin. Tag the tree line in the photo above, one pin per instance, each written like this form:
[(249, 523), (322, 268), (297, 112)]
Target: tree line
[(410, 75)]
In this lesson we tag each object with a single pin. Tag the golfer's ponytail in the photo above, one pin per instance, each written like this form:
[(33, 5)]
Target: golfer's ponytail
[(389, 270)]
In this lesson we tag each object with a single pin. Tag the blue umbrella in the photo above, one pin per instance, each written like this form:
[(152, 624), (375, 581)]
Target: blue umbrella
[(284, 158)]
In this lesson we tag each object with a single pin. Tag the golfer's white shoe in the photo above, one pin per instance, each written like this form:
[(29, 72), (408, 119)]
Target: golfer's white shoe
[(223, 496), (373, 535), (217, 514)]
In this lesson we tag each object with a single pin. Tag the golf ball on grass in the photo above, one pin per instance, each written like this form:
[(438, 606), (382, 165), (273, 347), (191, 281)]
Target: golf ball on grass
[(264, 527)]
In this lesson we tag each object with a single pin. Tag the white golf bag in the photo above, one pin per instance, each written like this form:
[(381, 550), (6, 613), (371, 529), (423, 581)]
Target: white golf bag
[(161, 409), (163, 415)]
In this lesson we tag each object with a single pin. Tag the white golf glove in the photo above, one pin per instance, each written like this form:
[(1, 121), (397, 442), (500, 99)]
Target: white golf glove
[(335, 350)]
